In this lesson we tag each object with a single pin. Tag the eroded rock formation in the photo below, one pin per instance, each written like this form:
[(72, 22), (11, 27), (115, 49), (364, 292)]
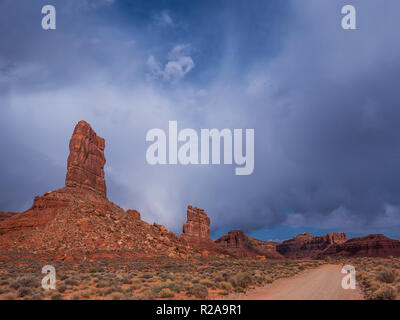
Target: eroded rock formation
[(86, 161), (197, 226), (374, 245), (5, 215), (77, 223), (134, 214), (240, 245), (307, 246)]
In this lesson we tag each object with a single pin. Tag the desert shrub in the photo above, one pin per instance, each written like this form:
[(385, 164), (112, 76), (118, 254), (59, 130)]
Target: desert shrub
[(199, 291), (385, 293), (62, 288), (127, 281), (239, 290), (115, 296), (71, 282), (387, 275), (146, 294), (4, 290), (225, 285), (23, 292), (112, 290), (166, 293), (15, 285), (102, 284), (64, 277), (226, 276), (206, 282), (173, 286), (56, 296), (242, 279), (269, 279), (27, 281), (147, 275)]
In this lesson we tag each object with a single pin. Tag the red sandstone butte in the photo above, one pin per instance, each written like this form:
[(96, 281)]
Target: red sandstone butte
[(85, 169), (242, 246), (77, 222), (307, 246), (374, 245), (197, 226)]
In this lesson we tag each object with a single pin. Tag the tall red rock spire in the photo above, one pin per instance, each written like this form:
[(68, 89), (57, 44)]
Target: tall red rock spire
[(86, 161), (197, 226)]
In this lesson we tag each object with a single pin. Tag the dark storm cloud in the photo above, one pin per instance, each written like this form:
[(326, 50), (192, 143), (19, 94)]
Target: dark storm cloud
[(323, 102)]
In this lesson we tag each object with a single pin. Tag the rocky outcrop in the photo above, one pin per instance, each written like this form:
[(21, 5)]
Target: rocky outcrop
[(235, 239), (134, 214), (77, 223), (242, 246), (266, 248), (307, 246), (197, 226), (5, 215), (374, 245), (86, 161)]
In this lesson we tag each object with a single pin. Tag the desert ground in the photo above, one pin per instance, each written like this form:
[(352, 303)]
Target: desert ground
[(135, 279), (322, 283)]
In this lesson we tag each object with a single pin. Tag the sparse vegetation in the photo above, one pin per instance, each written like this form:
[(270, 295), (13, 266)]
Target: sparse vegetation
[(378, 277), (387, 275), (181, 279)]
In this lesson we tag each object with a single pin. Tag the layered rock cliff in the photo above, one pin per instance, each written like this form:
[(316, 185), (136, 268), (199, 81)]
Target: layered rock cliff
[(77, 222), (242, 246), (85, 169), (197, 226), (307, 246), (374, 245)]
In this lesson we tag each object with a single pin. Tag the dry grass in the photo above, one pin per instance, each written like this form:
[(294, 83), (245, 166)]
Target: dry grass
[(146, 279), (378, 277)]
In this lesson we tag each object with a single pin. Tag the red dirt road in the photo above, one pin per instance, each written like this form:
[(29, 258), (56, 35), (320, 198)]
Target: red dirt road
[(322, 283)]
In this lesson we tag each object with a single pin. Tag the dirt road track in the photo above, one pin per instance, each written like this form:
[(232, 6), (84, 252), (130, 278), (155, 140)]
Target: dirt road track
[(322, 283)]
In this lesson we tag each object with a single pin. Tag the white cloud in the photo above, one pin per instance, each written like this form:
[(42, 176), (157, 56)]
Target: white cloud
[(164, 19), (176, 70), (179, 64)]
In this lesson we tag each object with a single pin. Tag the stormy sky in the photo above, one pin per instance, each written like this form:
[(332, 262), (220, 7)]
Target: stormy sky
[(324, 103)]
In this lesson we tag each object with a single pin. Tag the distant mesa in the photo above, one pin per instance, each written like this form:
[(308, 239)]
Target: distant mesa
[(307, 246), (374, 245)]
